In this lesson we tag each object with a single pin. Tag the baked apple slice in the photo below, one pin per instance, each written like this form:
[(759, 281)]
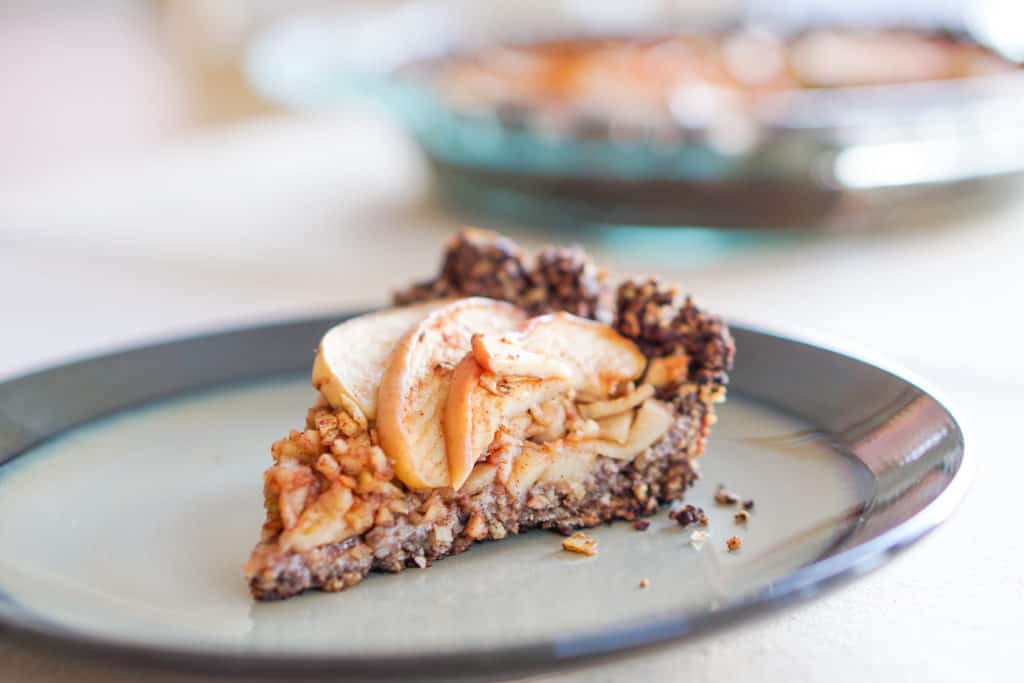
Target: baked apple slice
[(508, 374), (352, 356), (416, 382), (597, 357), (458, 421), (479, 403), (652, 420)]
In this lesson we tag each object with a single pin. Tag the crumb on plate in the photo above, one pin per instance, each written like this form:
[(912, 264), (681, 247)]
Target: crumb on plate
[(748, 504), (733, 543), (644, 583), (687, 515), (641, 524), (579, 542), (724, 496), (741, 517)]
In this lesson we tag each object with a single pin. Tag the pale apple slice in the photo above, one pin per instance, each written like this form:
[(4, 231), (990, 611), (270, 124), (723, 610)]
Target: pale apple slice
[(569, 465), (504, 355), (668, 370), (614, 406), (480, 478), (476, 408), (599, 357), (320, 523), (615, 427), (652, 420), (415, 384), (528, 468), (352, 356)]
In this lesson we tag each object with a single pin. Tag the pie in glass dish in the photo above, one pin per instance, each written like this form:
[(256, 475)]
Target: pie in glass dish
[(497, 397)]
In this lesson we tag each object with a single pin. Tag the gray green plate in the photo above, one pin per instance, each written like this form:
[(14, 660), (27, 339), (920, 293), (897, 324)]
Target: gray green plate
[(130, 494)]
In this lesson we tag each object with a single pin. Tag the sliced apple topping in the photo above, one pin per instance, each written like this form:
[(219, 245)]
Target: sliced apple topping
[(668, 370), (547, 421), (416, 383), (652, 420), (473, 392), (598, 358), (476, 408), (516, 389), (352, 356), (615, 406), (529, 466), (615, 427), (502, 355), (570, 466)]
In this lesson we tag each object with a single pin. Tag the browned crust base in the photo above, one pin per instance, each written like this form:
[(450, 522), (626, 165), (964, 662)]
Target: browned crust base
[(659, 475), (478, 263)]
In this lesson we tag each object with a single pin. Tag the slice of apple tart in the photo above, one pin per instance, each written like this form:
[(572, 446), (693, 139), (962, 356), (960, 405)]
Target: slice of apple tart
[(493, 399)]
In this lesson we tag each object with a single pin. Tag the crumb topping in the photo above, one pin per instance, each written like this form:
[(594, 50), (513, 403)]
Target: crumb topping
[(565, 279), (482, 263), (663, 326), (476, 263)]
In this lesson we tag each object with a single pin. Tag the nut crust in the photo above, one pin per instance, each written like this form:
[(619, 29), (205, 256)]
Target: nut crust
[(415, 528), (482, 263), (412, 540)]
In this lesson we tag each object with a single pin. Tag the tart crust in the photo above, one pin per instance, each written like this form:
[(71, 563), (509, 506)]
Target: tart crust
[(336, 464)]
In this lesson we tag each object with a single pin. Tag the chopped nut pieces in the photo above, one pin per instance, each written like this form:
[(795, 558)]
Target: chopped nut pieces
[(482, 263), (476, 263), (733, 543), (687, 515), (565, 279), (723, 496), (641, 524), (698, 538), (662, 326), (741, 517), (580, 543), (644, 583), (748, 504)]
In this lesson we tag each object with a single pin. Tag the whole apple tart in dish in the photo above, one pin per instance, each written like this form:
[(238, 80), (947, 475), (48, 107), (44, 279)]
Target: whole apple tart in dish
[(492, 399)]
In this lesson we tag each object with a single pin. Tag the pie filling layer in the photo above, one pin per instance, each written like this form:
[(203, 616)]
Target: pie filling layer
[(481, 408)]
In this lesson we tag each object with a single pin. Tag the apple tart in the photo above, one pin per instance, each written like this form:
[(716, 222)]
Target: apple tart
[(492, 399)]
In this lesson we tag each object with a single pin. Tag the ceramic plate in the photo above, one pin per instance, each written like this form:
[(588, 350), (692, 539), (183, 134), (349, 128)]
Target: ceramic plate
[(130, 494)]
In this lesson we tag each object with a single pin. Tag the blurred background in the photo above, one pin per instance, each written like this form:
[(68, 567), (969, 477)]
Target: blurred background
[(170, 167)]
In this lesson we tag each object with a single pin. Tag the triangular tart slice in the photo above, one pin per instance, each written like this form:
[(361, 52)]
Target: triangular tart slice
[(495, 398)]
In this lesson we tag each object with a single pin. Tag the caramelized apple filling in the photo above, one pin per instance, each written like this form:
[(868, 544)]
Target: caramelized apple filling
[(457, 418), (520, 404)]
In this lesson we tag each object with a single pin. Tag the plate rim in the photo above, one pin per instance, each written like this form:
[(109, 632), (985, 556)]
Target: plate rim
[(574, 650)]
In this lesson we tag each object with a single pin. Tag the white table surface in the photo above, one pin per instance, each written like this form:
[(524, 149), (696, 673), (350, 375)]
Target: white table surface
[(286, 217)]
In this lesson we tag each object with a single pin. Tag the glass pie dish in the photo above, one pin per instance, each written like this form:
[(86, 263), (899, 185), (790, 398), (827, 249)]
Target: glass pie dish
[(584, 112)]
